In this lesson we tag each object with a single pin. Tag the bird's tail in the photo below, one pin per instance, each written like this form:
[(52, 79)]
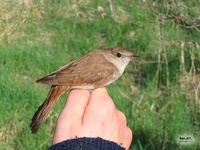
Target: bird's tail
[(43, 111)]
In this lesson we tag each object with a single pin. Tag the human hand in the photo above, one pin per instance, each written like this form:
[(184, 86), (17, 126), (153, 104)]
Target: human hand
[(92, 115)]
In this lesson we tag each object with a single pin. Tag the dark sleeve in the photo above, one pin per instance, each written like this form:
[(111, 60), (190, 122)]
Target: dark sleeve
[(86, 144)]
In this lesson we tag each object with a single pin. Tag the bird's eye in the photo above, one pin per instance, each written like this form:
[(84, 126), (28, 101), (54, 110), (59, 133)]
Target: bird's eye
[(119, 55)]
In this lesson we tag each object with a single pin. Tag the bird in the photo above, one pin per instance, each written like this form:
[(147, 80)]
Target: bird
[(95, 69)]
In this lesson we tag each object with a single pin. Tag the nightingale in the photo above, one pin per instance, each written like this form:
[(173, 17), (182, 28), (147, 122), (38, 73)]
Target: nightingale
[(96, 69)]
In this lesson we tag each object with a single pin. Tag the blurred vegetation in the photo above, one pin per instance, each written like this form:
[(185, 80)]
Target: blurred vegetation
[(160, 94)]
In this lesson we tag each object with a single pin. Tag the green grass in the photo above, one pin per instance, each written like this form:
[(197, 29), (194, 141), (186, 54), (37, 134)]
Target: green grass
[(159, 94)]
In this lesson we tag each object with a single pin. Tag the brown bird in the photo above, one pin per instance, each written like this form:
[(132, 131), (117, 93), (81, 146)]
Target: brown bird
[(96, 69)]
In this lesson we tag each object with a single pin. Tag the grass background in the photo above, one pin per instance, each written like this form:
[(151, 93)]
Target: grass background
[(160, 95)]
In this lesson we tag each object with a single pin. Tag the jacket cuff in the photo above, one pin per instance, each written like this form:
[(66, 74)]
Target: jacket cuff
[(86, 143)]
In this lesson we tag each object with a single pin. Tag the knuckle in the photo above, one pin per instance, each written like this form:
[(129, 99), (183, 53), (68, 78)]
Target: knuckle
[(122, 118), (128, 138), (129, 133)]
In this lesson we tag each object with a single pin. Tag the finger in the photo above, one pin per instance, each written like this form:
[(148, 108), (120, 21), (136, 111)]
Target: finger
[(122, 118), (99, 94), (125, 132), (127, 138), (75, 106), (98, 114), (121, 121), (100, 99), (100, 104)]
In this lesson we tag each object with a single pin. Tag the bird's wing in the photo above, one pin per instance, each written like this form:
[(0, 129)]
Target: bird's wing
[(90, 69)]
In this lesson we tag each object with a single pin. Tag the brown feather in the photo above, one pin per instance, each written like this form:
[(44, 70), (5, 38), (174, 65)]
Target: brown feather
[(43, 111), (77, 75)]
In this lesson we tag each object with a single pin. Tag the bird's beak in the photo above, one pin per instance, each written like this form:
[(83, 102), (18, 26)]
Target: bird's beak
[(134, 57)]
